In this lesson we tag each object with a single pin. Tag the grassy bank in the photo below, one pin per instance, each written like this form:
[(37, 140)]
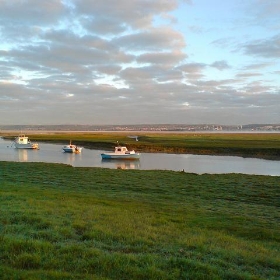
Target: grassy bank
[(258, 145), (60, 222)]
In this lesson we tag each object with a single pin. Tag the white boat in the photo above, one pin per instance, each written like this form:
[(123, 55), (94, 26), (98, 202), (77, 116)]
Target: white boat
[(72, 149), (22, 142), (121, 152)]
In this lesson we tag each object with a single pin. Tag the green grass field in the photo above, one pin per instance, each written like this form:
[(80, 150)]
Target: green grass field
[(60, 222)]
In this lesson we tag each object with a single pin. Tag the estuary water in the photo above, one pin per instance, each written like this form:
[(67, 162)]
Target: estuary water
[(53, 153)]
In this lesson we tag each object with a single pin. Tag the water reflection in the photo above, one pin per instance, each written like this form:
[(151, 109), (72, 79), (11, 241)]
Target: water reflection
[(72, 158), (121, 164), (53, 153), (22, 155)]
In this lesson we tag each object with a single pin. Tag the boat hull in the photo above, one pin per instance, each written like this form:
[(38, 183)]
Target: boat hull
[(27, 146), (116, 156), (76, 150)]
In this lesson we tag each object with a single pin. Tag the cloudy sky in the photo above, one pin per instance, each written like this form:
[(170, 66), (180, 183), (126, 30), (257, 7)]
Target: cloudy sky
[(139, 61)]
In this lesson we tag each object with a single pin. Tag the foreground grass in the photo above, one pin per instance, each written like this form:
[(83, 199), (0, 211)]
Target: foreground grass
[(258, 145), (60, 222)]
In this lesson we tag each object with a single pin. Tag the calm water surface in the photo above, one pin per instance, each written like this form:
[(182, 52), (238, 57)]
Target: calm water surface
[(189, 163)]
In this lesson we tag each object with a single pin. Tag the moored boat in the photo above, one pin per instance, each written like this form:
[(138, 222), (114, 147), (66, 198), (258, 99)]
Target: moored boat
[(22, 142), (121, 152), (72, 149)]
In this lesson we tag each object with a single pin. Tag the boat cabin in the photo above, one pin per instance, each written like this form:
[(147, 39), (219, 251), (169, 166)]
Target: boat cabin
[(123, 150), (22, 139), (120, 150)]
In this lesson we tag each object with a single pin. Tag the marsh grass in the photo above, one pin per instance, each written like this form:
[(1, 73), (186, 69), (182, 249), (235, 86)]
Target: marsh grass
[(258, 145), (60, 222)]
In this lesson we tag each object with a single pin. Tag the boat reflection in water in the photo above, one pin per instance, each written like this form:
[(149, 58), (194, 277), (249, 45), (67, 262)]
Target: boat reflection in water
[(121, 164), (72, 158), (22, 155)]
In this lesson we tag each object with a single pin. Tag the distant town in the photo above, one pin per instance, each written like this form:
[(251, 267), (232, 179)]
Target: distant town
[(144, 127)]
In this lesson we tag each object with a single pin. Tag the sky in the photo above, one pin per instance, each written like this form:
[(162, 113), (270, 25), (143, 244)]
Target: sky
[(101, 62)]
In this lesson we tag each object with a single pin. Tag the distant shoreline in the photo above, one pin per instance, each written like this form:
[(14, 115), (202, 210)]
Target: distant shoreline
[(128, 132), (177, 128)]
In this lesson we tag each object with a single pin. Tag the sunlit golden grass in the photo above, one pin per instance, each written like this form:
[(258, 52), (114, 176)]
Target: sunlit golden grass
[(60, 222)]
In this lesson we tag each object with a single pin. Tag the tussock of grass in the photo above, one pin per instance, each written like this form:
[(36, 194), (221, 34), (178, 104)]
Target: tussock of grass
[(60, 222)]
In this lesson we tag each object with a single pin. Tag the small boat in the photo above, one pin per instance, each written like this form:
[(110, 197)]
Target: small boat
[(72, 149), (121, 152), (22, 142)]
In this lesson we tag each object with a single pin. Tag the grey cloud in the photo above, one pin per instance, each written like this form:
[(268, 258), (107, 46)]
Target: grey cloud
[(268, 48), (248, 74), (226, 42), (192, 67), (220, 65), (256, 88), (162, 58), (266, 8), (196, 29), (155, 39), (69, 38), (212, 85), (253, 71), (32, 12), (103, 25), (256, 66), (136, 75), (67, 55), (151, 75), (136, 13), (193, 71), (109, 69)]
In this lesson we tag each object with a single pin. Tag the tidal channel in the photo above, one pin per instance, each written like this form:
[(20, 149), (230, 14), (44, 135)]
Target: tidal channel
[(53, 153)]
